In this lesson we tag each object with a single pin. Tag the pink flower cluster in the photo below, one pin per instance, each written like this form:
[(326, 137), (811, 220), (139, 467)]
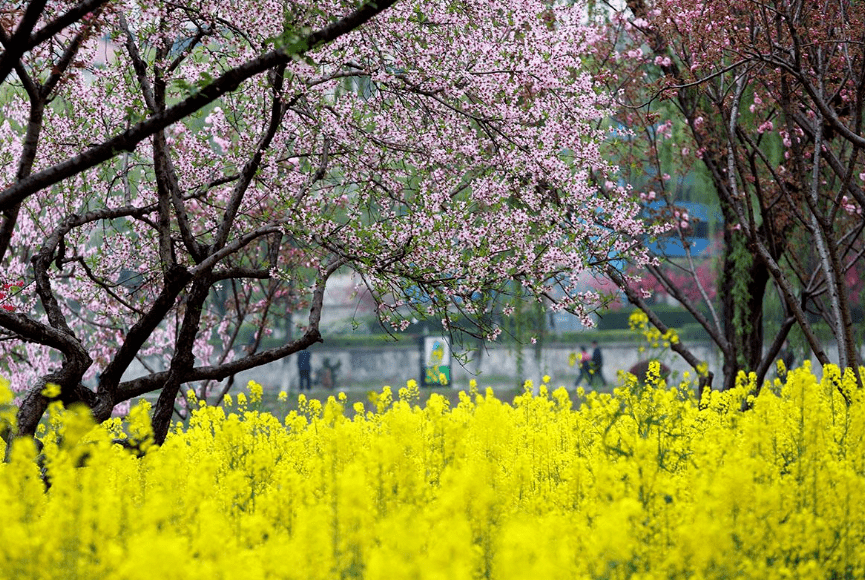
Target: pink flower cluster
[(5, 290)]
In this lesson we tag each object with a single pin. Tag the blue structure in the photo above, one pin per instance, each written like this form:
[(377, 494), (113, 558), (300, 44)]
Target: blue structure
[(705, 220)]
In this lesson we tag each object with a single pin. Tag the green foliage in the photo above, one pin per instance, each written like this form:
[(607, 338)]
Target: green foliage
[(739, 287), (672, 316)]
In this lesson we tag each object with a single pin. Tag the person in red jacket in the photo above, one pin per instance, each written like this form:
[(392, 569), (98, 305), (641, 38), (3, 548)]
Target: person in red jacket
[(585, 367)]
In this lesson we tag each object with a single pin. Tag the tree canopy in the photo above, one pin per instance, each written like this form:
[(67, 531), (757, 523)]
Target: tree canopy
[(175, 172), (766, 97)]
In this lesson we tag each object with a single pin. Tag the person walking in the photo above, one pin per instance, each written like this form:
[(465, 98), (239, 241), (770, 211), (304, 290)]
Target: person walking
[(585, 367), (597, 364), (304, 367)]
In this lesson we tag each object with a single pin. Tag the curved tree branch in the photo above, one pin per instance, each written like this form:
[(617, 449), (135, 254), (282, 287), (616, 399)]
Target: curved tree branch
[(225, 83)]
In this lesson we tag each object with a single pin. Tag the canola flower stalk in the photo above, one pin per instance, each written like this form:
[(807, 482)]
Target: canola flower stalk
[(642, 483)]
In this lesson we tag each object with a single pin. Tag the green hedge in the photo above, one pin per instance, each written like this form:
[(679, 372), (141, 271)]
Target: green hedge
[(672, 316)]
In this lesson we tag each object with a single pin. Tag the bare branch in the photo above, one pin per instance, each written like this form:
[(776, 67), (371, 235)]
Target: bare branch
[(16, 45)]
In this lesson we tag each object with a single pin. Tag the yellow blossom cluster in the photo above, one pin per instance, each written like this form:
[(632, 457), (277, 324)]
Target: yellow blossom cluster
[(639, 322), (644, 483)]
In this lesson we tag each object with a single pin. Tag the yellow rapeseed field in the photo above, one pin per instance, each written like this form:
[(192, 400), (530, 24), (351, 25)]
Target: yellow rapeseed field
[(644, 483)]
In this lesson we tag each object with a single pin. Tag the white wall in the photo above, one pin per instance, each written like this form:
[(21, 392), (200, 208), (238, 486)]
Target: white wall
[(495, 367)]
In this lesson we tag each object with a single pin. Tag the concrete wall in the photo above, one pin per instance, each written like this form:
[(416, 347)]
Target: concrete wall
[(374, 367), (495, 367)]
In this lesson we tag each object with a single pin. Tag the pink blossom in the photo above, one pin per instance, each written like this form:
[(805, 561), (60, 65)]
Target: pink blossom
[(437, 158)]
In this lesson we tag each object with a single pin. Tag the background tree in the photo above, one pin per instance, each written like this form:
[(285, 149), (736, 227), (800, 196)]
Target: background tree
[(766, 98), (158, 204)]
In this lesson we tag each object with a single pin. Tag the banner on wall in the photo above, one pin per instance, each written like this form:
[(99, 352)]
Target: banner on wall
[(436, 362)]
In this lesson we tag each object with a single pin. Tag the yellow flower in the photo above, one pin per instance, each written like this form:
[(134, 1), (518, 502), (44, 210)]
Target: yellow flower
[(51, 391), (6, 395), (283, 396), (638, 320), (255, 391), (782, 370), (643, 478)]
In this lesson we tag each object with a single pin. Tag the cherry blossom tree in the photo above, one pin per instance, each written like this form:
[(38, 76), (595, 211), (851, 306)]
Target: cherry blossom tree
[(216, 166), (767, 97)]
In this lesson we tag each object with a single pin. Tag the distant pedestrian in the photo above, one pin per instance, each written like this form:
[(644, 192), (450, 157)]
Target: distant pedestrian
[(585, 367), (788, 358), (597, 364), (304, 366)]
